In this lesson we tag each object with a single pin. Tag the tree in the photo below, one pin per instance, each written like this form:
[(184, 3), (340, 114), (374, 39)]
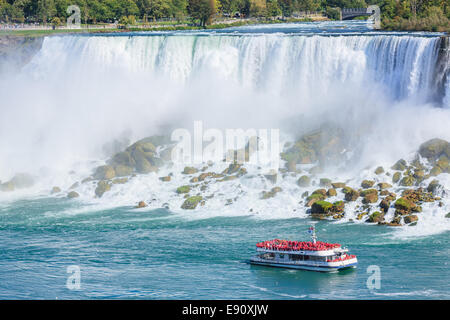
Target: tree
[(202, 10), (272, 9)]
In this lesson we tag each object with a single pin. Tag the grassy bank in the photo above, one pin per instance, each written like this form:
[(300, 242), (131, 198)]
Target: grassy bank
[(159, 27)]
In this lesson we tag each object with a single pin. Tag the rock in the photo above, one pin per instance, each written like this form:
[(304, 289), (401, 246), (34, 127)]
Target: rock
[(324, 182), (396, 177), (379, 170), (193, 180), (56, 190), (304, 181), (205, 175), (377, 216), (305, 194), (351, 194), (384, 185), (370, 197), (407, 181), (435, 171), (338, 207), (316, 170), (143, 165), (385, 204), (367, 184), (189, 170), (434, 186), (232, 168), (419, 174), (410, 218), (183, 189), (400, 165), (72, 194), (104, 173), (123, 158), (120, 181), (141, 204), (323, 192), (434, 148), (310, 200), (331, 192), (443, 163), (321, 207), (7, 186), (271, 193), (165, 179), (447, 215), (122, 171), (74, 185), (337, 185), (191, 202), (228, 178), (272, 177), (102, 187), (404, 205), (88, 179)]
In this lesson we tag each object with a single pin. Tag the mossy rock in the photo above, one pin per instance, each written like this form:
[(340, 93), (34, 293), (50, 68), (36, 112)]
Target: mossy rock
[(321, 207), (338, 185), (385, 204), (434, 186), (122, 171), (72, 194), (228, 178), (321, 191), (410, 218), (377, 216), (189, 170), (331, 192), (143, 165), (204, 175), (367, 184), (232, 168), (102, 187), (419, 174), (183, 189), (443, 163), (434, 148), (304, 181), (191, 202), (404, 204), (400, 165), (379, 170), (447, 215), (104, 173), (271, 193), (310, 200), (165, 179), (407, 181), (338, 207), (384, 185), (396, 177), (123, 158), (351, 195), (324, 182), (55, 190)]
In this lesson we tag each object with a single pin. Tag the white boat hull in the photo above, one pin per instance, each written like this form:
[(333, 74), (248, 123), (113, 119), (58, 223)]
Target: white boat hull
[(332, 267)]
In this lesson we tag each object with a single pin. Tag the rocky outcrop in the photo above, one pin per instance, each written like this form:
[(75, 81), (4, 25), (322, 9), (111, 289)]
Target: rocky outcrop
[(102, 187), (434, 148), (191, 202)]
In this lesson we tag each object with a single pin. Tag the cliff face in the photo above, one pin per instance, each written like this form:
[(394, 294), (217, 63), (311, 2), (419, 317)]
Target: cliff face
[(442, 71), (16, 51)]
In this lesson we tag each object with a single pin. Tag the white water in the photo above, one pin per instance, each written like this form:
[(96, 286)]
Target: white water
[(79, 93)]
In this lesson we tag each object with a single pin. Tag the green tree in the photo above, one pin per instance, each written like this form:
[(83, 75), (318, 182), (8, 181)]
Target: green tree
[(201, 10)]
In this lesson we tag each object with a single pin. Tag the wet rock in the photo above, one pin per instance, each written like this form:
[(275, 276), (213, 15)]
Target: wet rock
[(7, 186), (396, 177), (351, 194), (165, 179), (367, 184), (323, 192), (434, 148), (102, 187), (272, 177), (122, 171), (410, 218), (321, 207), (232, 168), (123, 158), (310, 200), (291, 166), (88, 179), (338, 207), (316, 170), (370, 197), (271, 193), (384, 185), (324, 182), (385, 204), (141, 204), (189, 170), (435, 171), (405, 206), (72, 194), (447, 215), (443, 163), (407, 181), (304, 181), (338, 185), (183, 189), (104, 173), (379, 170), (434, 186), (120, 181), (191, 202), (228, 178), (331, 192), (377, 216), (400, 165), (74, 185), (193, 180), (56, 190), (305, 194)]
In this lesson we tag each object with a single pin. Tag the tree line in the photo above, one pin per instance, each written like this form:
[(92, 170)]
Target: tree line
[(394, 12)]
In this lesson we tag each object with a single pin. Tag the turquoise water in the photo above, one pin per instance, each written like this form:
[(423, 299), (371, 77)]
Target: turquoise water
[(128, 253)]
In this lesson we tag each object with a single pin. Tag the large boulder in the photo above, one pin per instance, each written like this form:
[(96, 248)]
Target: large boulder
[(407, 181), (410, 218), (102, 187), (400, 165), (434, 186), (104, 173), (189, 170), (304, 181), (396, 177), (123, 170), (321, 207), (434, 148), (325, 182), (367, 184), (379, 170), (183, 189), (191, 202), (350, 194), (376, 217), (72, 194)]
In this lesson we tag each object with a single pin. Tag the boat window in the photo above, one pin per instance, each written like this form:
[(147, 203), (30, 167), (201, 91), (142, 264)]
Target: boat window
[(296, 257), (267, 256)]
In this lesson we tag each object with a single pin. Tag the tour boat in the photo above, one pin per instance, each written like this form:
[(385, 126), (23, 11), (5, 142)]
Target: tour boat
[(308, 255)]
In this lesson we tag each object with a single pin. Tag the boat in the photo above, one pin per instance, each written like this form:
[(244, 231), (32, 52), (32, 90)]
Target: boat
[(307, 255)]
